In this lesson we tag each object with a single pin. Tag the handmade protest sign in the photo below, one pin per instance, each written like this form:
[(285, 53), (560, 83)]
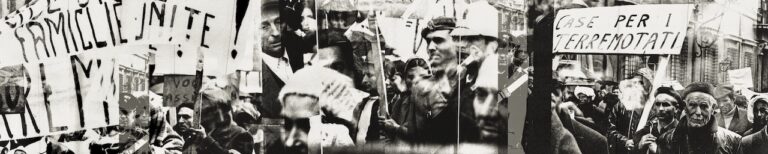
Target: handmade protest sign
[(741, 78), (180, 89), (58, 28), (637, 29), (58, 94)]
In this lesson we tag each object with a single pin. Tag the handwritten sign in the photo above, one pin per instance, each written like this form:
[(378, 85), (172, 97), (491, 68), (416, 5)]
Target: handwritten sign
[(637, 29), (180, 89), (741, 78), (63, 95)]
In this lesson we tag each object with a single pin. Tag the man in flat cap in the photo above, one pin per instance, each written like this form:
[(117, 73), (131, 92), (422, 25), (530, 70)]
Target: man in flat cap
[(437, 97), (730, 116), (698, 132)]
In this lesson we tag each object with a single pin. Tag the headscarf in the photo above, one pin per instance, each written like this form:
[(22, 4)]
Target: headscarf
[(335, 91), (751, 105)]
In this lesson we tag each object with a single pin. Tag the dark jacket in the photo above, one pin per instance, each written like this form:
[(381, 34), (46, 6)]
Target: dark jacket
[(739, 124), (709, 139), (441, 128), (622, 126), (648, 130), (224, 139), (756, 143), (270, 106), (563, 142), (588, 140)]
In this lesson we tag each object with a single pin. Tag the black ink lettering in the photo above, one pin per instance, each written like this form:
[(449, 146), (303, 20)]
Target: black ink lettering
[(71, 34), (99, 44), (109, 22), (21, 43), (205, 29), (160, 13), (80, 31), (37, 38), (59, 29), (143, 14), (78, 93)]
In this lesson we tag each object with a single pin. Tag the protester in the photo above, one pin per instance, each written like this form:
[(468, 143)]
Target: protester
[(221, 135), (185, 128), (563, 141), (416, 69), (698, 132), (276, 64), (437, 97), (625, 116), (666, 108), (756, 140), (730, 116), (314, 118)]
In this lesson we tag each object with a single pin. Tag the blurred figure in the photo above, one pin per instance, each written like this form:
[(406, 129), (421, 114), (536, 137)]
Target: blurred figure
[(416, 69), (490, 114), (698, 132), (666, 108), (563, 141), (625, 116), (313, 118), (221, 135), (730, 116), (756, 140), (334, 51)]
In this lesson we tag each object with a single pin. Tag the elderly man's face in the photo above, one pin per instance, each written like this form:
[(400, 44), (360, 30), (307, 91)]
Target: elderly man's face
[(699, 108), (664, 107), (296, 111), (442, 50), (760, 111), (271, 28)]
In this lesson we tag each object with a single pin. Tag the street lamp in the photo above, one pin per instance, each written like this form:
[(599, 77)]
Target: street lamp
[(724, 66)]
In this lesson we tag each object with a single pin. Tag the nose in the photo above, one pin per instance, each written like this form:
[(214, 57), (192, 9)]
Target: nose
[(274, 30), (431, 47), (293, 139)]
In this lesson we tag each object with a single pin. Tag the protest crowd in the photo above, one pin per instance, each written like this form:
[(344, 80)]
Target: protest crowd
[(640, 114)]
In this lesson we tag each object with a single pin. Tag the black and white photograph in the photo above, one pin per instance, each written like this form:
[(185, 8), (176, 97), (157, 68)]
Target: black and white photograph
[(383, 76), (648, 76)]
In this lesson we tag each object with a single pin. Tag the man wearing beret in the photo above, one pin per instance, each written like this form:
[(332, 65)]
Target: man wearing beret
[(436, 98), (698, 132)]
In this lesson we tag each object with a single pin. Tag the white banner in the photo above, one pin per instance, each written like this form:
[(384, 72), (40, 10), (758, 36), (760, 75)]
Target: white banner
[(61, 95), (637, 29), (741, 78), (60, 28)]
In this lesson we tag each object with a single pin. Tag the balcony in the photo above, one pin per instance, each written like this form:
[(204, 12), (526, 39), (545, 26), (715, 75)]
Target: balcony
[(761, 28)]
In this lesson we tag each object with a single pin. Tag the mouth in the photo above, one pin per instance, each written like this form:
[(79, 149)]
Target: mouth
[(435, 58), (275, 45)]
